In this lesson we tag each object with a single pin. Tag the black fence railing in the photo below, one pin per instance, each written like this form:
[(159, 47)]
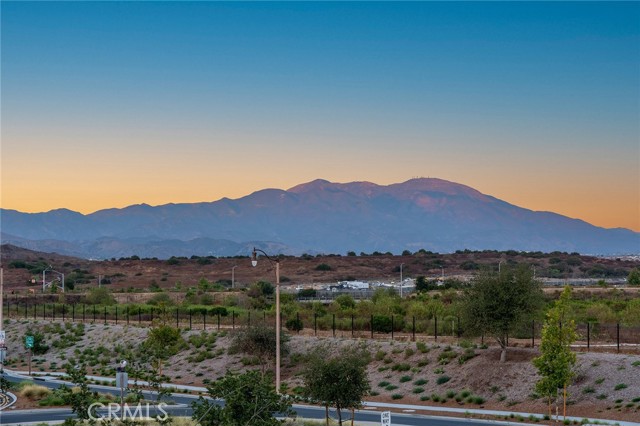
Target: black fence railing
[(591, 335)]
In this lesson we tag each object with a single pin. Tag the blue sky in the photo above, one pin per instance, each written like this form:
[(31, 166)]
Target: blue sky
[(535, 103)]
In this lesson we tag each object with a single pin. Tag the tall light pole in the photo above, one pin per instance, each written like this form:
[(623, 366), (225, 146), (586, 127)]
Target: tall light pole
[(254, 262), (2, 345), (401, 282), (233, 276)]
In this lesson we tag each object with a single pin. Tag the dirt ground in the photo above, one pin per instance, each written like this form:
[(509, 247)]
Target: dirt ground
[(606, 386)]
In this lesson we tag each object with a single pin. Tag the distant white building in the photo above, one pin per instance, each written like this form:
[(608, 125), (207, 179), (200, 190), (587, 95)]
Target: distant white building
[(356, 285)]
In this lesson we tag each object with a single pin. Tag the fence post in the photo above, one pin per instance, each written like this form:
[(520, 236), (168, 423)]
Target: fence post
[(334, 325), (414, 329), (371, 323), (352, 326), (588, 335), (116, 314), (533, 333), (436, 328), (177, 317), (218, 321), (298, 321), (73, 313), (127, 315), (105, 315), (189, 318), (618, 335), (392, 327), (315, 324)]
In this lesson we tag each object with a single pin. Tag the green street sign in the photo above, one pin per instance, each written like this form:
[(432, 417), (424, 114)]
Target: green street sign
[(28, 342)]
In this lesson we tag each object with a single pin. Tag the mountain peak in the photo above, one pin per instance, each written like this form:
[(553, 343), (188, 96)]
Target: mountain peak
[(317, 184)]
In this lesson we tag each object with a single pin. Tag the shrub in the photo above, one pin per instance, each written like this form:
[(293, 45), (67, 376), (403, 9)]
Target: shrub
[(443, 379), (588, 389), (34, 392), (397, 396), (599, 381), (451, 394), (408, 352), (420, 382), (478, 400), (323, 267), (294, 324), (383, 383), (401, 367), (422, 347), (418, 389), (380, 355), (404, 379), (435, 397), (391, 387), (620, 386)]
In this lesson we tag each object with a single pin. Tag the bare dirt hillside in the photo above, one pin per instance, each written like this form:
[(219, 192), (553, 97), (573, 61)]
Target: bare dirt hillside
[(606, 386), (23, 268)]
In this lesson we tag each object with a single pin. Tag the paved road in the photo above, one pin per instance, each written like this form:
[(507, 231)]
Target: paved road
[(59, 414)]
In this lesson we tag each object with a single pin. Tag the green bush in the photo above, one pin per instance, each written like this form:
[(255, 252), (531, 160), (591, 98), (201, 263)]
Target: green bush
[(418, 390), (397, 396), (401, 367), (404, 379), (443, 379)]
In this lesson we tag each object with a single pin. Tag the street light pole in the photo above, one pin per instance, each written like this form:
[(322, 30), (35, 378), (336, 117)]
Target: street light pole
[(254, 262)]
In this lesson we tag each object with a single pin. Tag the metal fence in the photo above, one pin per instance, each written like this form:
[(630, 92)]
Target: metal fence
[(591, 336)]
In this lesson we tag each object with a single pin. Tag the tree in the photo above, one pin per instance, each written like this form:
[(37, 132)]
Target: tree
[(556, 361), (634, 277), (250, 399), (163, 341), (99, 296), (80, 397), (338, 380), (496, 303), (259, 341)]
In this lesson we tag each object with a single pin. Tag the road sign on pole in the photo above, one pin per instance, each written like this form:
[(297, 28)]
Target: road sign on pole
[(28, 342), (2, 337), (385, 418)]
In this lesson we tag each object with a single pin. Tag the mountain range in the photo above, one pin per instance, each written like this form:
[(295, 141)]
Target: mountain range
[(315, 217)]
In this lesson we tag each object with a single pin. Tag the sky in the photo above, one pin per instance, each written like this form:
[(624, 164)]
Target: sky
[(108, 104)]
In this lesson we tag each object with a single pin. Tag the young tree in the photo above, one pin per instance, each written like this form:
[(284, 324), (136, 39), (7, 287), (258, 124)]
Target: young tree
[(634, 277), (259, 341), (338, 380), (81, 397), (556, 361), (249, 399), (163, 341), (496, 303)]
